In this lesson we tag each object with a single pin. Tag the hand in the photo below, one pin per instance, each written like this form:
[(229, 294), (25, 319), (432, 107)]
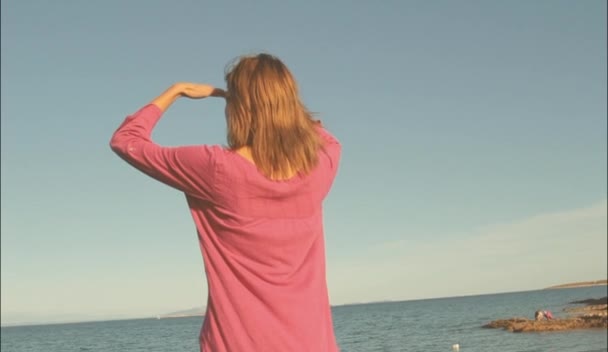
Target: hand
[(199, 91), (190, 90)]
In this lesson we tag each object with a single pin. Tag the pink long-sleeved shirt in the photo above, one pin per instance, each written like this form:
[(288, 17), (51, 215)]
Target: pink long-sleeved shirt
[(262, 241)]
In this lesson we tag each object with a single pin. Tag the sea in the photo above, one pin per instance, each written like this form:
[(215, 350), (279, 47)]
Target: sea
[(420, 325)]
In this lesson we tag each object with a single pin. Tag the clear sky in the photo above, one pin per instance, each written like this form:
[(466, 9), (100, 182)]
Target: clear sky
[(474, 145)]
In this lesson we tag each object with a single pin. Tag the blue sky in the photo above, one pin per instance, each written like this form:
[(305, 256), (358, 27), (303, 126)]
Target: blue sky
[(474, 136)]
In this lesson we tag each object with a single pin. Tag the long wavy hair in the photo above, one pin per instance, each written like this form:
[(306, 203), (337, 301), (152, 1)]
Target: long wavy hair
[(264, 112)]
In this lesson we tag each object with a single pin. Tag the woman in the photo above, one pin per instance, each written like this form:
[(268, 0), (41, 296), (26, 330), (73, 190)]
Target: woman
[(257, 206)]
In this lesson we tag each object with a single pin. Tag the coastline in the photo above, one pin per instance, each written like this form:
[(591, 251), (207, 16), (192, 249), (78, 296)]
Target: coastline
[(579, 284), (593, 314)]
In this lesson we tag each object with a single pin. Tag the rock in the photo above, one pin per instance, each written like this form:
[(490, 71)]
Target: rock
[(592, 301), (594, 310), (592, 316), (529, 325)]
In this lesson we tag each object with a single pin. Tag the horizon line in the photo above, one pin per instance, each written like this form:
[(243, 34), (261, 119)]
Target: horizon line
[(602, 282)]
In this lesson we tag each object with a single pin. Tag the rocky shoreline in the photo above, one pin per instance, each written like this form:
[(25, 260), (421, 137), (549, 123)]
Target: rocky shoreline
[(594, 315)]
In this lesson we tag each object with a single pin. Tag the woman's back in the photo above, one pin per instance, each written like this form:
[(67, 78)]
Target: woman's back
[(263, 246)]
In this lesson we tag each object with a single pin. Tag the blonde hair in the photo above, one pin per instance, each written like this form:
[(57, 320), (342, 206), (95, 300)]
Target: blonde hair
[(264, 113)]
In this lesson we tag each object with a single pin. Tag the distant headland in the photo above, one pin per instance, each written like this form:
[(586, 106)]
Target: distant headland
[(580, 284), (194, 312)]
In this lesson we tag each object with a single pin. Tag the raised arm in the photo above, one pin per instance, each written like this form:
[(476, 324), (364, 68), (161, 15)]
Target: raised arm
[(190, 169)]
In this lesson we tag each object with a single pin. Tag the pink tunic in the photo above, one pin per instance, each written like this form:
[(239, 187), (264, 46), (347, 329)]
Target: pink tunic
[(262, 241)]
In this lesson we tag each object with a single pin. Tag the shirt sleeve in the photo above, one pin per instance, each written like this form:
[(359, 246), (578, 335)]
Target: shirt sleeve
[(190, 169), (332, 150)]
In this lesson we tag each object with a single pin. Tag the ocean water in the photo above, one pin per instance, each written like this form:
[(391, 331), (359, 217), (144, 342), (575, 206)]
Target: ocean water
[(423, 325)]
